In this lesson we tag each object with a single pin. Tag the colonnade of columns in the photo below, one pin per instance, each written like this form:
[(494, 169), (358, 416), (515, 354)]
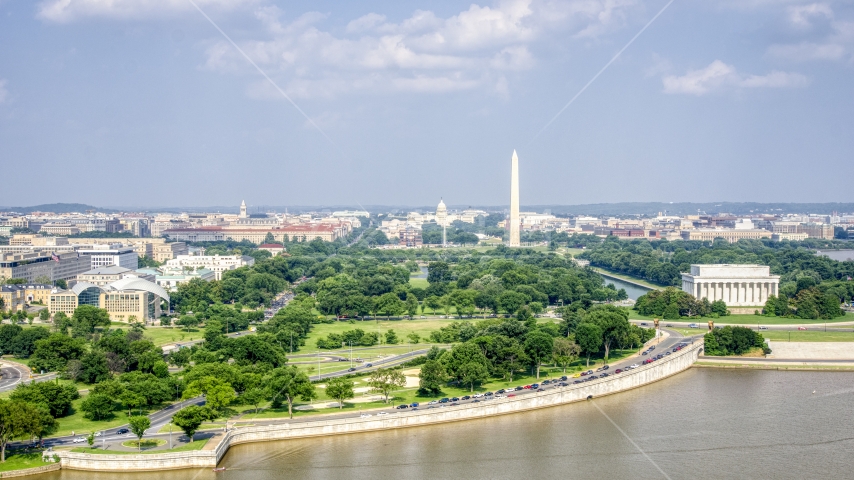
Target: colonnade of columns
[(735, 293)]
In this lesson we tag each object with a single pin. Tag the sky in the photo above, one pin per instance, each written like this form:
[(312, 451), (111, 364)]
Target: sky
[(148, 103)]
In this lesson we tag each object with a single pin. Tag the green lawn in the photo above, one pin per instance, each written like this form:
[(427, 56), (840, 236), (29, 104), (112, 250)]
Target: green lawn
[(196, 445), (419, 282), (81, 425), (20, 461), (402, 328), (166, 335)]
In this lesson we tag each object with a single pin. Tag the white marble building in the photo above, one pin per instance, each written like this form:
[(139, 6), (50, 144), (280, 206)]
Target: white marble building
[(736, 285)]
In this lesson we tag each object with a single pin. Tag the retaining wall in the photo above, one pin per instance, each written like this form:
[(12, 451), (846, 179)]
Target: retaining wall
[(646, 374)]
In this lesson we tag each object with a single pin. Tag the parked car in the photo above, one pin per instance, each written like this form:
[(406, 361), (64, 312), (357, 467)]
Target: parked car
[(401, 407), (413, 404), (466, 397), (763, 327), (79, 440), (802, 328)]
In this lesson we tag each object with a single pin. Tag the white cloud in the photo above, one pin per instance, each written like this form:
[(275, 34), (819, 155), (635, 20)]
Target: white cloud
[(3, 92), (64, 11), (718, 76), (801, 15)]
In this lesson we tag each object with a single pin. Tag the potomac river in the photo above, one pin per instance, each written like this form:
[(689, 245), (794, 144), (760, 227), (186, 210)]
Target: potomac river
[(702, 423)]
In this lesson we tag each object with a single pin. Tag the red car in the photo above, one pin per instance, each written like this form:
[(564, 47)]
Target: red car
[(619, 370), (802, 328), (527, 387)]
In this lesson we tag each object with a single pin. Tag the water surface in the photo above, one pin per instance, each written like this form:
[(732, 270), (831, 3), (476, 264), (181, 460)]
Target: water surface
[(703, 423)]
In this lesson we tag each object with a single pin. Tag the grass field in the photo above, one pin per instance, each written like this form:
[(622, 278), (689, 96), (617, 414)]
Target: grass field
[(402, 328), (81, 425), (20, 461), (419, 282), (166, 335)]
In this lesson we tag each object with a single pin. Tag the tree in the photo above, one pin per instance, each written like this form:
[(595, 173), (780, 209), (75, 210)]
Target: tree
[(188, 321), (90, 439), (97, 406), (385, 381), (138, 425), (254, 396), (218, 393), (131, 400), (432, 377), (55, 397), (411, 304), (47, 424), (44, 315), (190, 418), (340, 389), (54, 352), (391, 337), (17, 420), (472, 373), (433, 303), (538, 346), (564, 352), (289, 383), (87, 317), (719, 307), (589, 338), (414, 337), (613, 321), (94, 367)]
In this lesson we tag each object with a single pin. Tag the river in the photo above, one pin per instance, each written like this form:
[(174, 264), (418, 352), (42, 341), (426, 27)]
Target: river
[(632, 290), (703, 423)]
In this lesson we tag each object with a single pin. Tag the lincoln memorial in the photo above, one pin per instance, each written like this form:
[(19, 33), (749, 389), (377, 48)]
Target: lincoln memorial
[(736, 285)]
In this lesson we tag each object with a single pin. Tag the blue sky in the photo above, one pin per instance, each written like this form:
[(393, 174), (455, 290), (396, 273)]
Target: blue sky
[(144, 102)]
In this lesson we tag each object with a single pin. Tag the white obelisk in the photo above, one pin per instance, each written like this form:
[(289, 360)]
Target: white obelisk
[(514, 201)]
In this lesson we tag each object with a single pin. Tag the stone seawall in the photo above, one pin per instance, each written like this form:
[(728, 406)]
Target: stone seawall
[(644, 375)]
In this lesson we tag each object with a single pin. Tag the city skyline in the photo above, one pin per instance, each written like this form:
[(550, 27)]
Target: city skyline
[(397, 87)]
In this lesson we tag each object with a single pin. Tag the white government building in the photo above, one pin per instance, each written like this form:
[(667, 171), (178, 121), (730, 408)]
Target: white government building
[(736, 285)]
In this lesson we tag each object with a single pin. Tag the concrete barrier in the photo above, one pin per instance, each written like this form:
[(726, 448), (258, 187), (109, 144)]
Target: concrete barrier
[(30, 471), (670, 365)]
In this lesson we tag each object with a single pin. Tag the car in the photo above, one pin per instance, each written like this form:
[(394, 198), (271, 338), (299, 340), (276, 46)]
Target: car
[(600, 369), (535, 386), (589, 372), (527, 387), (635, 365), (564, 378), (401, 407), (606, 367), (693, 325), (577, 375), (466, 397), (79, 440), (666, 353), (422, 316), (386, 413), (644, 352), (455, 399), (540, 390), (652, 347), (488, 394), (369, 365), (511, 395), (432, 402), (342, 359), (476, 400), (802, 328), (365, 415), (98, 434), (501, 391), (546, 382), (563, 384), (413, 404), (122, 431), (763, 327), (414, 409), (603, 375), (643, 324), (669, 325), (477, 395), (584, 374), (519, 389), (619, 370), (445, 400), (351, 369)]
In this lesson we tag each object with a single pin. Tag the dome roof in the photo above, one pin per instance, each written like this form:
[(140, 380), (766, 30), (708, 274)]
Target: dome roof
[(441, 205)]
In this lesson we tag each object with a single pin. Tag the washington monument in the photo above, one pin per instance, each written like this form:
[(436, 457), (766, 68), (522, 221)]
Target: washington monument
[(514, 201)]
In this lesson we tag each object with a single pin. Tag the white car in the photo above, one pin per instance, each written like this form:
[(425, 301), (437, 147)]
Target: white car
[(79, 440), (98, 434), (432, 402), (635, 366), (383, 413), (365, 415), (477, 395)]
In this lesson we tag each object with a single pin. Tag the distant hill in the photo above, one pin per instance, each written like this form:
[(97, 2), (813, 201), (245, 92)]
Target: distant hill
[(57, 208)]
